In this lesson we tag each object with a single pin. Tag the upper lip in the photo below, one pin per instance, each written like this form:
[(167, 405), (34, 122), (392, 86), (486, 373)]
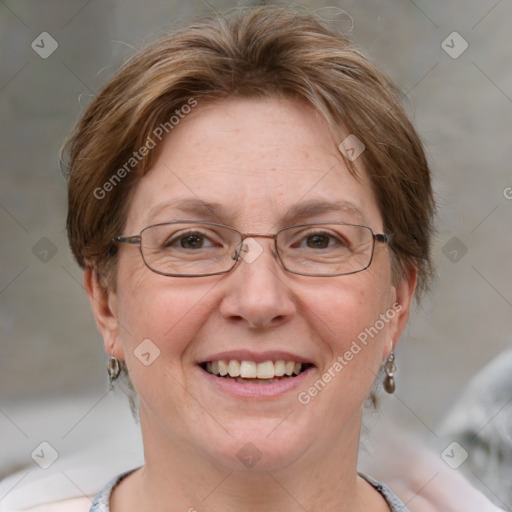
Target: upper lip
[(258, 357)]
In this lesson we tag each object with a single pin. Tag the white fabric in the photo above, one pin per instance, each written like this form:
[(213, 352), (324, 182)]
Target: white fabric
[(73, 505), (421, 478), (481, 421), (404, 466), (70, 482)]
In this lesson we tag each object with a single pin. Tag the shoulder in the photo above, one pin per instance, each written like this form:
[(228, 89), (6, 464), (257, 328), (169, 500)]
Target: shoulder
[(56, 492), (394, 502), (421, 478), (71, 505)]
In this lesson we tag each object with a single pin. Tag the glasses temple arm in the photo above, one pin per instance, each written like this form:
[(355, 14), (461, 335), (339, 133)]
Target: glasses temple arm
[(383, 238), (126, 240)]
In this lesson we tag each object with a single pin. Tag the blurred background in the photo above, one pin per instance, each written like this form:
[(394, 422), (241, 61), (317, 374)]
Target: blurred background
[(452, 59)]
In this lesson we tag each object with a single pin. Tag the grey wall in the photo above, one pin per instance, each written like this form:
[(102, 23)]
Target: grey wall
[(51, 355)]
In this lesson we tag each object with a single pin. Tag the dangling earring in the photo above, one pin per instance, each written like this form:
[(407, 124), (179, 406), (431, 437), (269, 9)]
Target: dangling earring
[(113, 366), (390, 369)]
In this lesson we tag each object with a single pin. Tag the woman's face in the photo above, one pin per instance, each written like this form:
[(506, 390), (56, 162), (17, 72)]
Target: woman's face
[(264, 164)]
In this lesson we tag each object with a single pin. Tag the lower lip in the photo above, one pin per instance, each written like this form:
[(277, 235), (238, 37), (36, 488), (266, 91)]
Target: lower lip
[(248, 390)]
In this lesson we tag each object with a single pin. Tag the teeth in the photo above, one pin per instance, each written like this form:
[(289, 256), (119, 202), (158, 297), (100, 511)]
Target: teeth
[(266, 370), (279, 368), (256, 381), (248, 370), (234, 368), (223, 368), (240, 370)]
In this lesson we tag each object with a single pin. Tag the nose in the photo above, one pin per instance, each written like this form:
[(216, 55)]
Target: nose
[(256, 292)]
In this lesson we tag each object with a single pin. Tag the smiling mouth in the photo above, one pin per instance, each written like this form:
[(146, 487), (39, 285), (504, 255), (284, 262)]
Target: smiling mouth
[(251, 372)]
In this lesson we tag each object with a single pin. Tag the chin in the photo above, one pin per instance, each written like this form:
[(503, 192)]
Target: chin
[(264, 445)]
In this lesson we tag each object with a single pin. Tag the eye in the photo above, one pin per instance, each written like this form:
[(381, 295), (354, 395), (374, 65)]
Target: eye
[(189, 240), (321, 240), (318, 241)]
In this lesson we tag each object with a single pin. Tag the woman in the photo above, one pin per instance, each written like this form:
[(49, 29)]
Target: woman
[(253, 212)]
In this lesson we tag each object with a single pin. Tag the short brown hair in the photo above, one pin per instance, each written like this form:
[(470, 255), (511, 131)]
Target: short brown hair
[(253, 52)]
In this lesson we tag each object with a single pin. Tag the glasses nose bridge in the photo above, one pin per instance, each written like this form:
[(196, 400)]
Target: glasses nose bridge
[(245, 236)]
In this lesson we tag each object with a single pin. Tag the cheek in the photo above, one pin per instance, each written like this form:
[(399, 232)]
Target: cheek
[(159, 318), (161, 326), (348, 308), (348, 324)]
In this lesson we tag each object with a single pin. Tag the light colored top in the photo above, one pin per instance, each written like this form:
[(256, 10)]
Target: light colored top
[(101, 501)]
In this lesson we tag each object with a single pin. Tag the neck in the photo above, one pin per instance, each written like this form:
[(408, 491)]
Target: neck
[(323, 478)]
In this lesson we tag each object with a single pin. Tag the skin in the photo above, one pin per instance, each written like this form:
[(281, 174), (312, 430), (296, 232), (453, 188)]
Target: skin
[(257, 158)]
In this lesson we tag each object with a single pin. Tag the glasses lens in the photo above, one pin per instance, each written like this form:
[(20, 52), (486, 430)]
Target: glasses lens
[(184, 248), (325, 249)]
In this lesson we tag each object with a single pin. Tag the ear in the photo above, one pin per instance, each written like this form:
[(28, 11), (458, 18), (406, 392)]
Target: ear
[(104, 307), (402, 303)]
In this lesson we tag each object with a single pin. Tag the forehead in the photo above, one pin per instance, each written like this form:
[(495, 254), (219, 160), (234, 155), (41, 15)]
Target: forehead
[(252, 163)]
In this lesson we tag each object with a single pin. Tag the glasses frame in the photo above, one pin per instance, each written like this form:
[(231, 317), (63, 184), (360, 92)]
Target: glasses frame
[(382, 238)]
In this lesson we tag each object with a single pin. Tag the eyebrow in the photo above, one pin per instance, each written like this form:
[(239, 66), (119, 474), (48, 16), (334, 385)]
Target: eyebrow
[(196, 207), (304, 211), (205, 210)]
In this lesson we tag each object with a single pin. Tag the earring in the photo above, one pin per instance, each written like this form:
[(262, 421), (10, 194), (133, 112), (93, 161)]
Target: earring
[(390, 369), (113, 367)]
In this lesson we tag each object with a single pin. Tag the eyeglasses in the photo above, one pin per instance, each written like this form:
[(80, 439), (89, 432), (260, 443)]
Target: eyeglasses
[(195, 249)]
